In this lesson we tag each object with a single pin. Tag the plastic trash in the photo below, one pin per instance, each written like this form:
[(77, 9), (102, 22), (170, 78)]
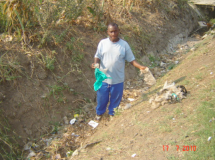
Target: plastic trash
[(76, 115), (72, 121), (93, 124), (131, 99), (127, 106), (133, 155), (209, 138), (100, 76), (148, 77)]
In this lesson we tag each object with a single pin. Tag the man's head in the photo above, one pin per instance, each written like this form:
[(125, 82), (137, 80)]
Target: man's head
[(113, 32)]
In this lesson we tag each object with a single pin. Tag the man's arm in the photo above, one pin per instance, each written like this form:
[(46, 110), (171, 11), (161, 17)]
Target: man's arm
[(96, 60), (137, 65)]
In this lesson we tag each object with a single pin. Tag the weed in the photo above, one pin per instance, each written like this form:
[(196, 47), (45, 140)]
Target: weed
[(9, 69), (199, 76), (48, 62), (164, 127), (78, 111), (171, 66), (57, 91), (178, 111), (8, 140), (59, 38), (170, 117), (117, 111), (185, 82)]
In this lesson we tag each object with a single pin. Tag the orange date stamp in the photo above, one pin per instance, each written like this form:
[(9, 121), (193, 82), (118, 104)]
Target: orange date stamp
[(184, 148)]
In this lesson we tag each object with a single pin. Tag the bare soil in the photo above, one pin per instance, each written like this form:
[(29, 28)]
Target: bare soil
[(35, 109)]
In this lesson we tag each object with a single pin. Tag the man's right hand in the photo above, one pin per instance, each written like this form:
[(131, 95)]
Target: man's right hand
[(95, 65)]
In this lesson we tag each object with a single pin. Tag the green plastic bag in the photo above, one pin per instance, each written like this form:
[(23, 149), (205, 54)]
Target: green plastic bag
[(100, 76)]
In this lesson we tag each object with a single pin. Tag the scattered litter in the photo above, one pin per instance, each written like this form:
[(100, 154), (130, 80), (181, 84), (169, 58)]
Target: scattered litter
[(8, 38), (148, 111), (148, 77), (108, 148), (75, 153), (162, 64), (73, 121), (27, 146), (76, 115), (69, 153), (176, 62), (133, 155), (168, 94), (173, 119), (127, 106), (211, 73), (210, 120), (31, 154), (93, 124), (209, 138), (131, 99), (75, 135)]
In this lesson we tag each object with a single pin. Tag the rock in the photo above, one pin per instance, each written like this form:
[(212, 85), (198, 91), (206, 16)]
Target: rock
[(127, 106), (57, 156), (31, 154), (75, 153), (27, 146), (66, 121)]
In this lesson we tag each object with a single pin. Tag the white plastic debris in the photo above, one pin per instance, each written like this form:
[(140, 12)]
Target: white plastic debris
[(148, 77), (176, 62), (211, 73), (108, 148), (173, 119), (75, 153), (162, 64), (209, 138), (93, 124), (31, 154), (72, 121), (127, 106), (131, 99), (27, 146), (133, 155)]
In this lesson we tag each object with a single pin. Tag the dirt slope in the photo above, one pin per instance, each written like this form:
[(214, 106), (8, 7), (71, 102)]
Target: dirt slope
[(144, 131)]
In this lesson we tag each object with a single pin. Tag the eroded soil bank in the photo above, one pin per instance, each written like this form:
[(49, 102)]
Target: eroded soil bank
[(55, 82)]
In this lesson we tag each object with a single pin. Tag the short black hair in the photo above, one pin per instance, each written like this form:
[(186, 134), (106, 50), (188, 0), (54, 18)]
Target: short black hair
[(113, 24)]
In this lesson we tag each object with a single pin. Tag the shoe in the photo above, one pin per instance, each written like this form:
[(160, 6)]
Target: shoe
[(98, 117)]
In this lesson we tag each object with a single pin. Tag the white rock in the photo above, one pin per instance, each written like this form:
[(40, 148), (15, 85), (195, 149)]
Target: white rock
[(209, 138), (133, 155), (65, 120), (127, 106)]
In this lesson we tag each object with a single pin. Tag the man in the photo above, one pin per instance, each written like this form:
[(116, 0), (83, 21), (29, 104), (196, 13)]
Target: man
[(111, 55)]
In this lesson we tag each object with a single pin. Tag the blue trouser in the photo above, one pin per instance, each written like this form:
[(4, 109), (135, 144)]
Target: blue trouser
[(112, 92)]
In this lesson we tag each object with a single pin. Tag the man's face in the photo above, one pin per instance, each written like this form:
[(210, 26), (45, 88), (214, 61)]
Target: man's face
[(113, 33)]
